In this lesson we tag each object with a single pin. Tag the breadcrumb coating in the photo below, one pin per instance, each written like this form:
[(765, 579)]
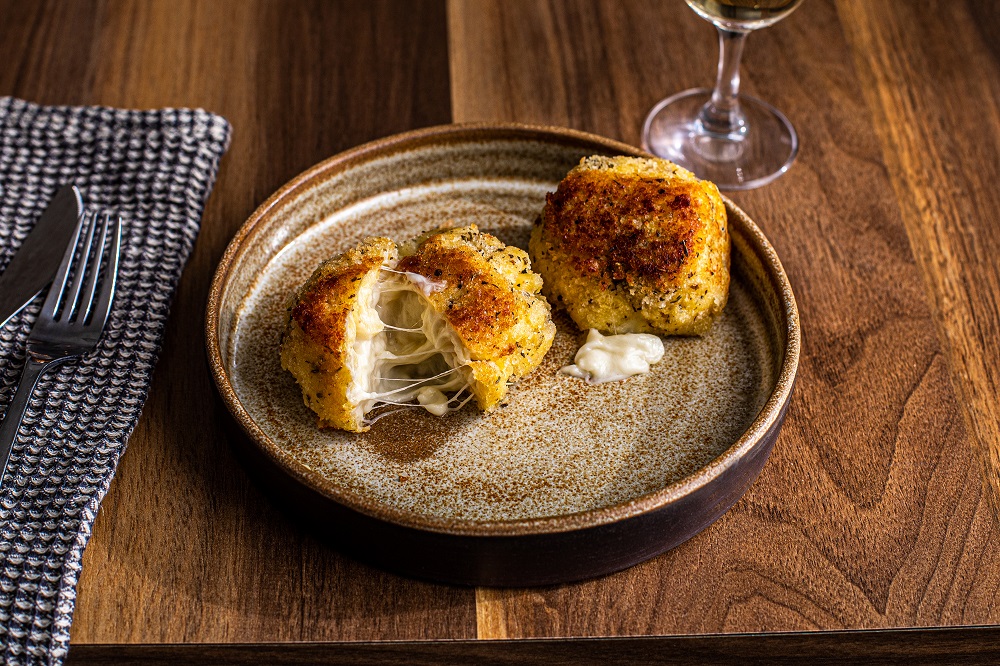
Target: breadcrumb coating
[(322, 329), (477, 306), (490, 300), (634, 245)]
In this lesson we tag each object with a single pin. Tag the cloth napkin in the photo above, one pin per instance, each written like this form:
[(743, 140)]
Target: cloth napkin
[(155, 169)]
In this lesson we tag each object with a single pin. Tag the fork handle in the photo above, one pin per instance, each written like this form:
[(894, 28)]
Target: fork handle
[(33, 369)]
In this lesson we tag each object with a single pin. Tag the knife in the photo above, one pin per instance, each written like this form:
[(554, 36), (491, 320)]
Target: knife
[(39, 256)]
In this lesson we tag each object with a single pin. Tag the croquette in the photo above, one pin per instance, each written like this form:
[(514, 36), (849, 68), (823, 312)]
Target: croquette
[(634, 245), (448, 317)]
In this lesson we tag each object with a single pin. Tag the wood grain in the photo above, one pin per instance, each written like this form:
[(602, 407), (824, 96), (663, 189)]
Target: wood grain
[(185, 547), (938, 646), (31, 54), (870, 512), (935, 102)]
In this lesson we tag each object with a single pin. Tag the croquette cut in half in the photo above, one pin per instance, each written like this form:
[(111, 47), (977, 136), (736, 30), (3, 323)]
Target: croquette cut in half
[(444, 318), (634, 245)]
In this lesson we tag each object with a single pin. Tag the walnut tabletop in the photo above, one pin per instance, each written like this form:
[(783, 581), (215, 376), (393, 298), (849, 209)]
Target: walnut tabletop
[(872, 531)]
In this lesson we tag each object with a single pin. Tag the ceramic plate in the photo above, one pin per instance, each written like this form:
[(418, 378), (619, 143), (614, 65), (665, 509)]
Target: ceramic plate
[(627, 469)]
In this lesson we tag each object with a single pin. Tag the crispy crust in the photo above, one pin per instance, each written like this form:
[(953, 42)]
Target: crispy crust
[(491, 301), (322, 327), (634, 245)]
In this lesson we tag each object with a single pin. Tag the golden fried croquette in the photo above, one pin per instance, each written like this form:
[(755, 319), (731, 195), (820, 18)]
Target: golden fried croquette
[(634, 245), (490, 300), (458, 312), (320, 346)]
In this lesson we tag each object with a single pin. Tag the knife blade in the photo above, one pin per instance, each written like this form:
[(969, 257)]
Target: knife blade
[(39, 256)]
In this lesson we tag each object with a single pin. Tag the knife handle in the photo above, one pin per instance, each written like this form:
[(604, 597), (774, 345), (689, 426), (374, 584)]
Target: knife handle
[(33, 369)]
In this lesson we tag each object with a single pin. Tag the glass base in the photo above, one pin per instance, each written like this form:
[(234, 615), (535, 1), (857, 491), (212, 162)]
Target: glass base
[(763, 148)]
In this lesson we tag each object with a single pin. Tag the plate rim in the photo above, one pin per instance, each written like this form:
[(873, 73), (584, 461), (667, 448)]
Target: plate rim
[(770, 414)]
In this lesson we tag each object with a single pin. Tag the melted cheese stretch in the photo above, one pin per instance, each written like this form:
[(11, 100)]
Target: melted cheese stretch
[(608, 358), (404, 353), (434, 401)]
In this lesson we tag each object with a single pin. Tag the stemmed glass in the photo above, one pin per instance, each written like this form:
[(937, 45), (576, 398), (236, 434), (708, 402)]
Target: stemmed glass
[(737, 141)]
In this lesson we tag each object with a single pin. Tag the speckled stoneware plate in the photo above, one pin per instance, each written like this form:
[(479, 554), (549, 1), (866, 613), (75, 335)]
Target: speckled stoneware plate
[(568, 480)]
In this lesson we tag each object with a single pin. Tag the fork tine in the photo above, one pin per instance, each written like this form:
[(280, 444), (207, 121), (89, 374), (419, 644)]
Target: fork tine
[(72, 305), (99, 314), (86, 304), (55, 294)]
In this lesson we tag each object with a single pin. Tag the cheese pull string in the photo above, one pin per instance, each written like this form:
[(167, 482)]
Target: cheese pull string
[(405, 406)]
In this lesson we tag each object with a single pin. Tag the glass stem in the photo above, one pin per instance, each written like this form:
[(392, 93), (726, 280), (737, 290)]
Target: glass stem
[(722, 115)]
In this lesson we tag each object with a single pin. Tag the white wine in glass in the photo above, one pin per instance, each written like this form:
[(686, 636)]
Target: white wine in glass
[(743, 14), (737, 141)]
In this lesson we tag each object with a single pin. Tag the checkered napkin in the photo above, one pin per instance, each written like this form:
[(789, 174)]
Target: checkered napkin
[(155, 169)]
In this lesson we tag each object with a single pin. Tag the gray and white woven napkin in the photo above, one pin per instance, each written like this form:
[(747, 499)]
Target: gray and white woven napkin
[(155, 169)]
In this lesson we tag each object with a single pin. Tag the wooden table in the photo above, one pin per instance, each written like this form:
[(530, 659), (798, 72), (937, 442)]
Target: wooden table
[(877, 510)]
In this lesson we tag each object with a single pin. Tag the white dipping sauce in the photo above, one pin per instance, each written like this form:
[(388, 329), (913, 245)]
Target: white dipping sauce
[(608, 358)]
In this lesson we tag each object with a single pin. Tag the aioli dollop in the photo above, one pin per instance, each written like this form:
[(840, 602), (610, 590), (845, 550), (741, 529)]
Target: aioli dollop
[(609, 358)]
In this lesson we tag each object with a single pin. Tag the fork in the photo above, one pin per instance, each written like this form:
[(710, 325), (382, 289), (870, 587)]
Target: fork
[(73, 317)]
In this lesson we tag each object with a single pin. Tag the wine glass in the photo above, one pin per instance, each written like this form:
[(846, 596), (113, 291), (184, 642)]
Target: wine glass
[(736, 141)]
